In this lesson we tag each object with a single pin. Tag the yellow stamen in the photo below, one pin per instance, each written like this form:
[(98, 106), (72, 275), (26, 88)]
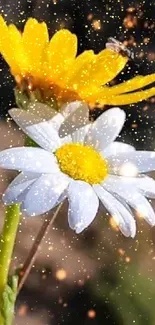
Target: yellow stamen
[(82, 163)]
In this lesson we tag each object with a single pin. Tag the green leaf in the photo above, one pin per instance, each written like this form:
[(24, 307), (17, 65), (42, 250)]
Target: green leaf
[(29, 142), (8, 300), (22, 99)]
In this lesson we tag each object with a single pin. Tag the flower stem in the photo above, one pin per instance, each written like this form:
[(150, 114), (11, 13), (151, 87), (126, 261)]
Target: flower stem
[(7, 240), (34, 250)]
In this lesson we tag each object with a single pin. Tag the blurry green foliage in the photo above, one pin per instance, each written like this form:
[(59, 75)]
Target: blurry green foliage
[(131, 294)]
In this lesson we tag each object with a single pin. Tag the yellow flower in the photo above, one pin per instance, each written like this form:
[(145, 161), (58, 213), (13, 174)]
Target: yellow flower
[(41, 63)]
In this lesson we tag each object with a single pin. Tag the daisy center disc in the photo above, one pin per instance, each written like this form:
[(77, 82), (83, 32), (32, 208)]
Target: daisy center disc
[(82, 163)]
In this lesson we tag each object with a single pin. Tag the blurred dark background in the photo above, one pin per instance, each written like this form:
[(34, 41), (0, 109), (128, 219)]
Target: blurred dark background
[(99, 277)]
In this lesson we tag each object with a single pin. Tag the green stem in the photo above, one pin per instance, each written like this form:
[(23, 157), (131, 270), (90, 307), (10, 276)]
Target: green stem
[(7, 240)]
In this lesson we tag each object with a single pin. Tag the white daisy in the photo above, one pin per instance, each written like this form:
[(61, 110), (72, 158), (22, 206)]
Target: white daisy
[(86, 166)]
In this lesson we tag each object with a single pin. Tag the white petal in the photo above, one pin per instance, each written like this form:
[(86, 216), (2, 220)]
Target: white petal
[(22, 196), (24, 118), (28, 159), (119, 212), (143, 161), (117, 147), (147, 186), (18, 186), (105, 129), (45, 135), (67, 139), (123, 202), (131, 195), (79, 135), (42, 133), (30, 117), (44, 112), (56, 121), (44, 193), (76, 116), (70, 108), (83, 205), (61, 198)]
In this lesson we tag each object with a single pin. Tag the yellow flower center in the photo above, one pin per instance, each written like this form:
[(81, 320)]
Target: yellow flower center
[(82, 163)]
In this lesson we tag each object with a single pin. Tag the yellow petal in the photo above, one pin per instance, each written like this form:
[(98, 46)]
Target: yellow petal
[(35, 38), (17, 49), (6, 48), (109, 64), (80, 66), (61, 52), (130, 85), (127, 86), (126, 99), (101, 69)]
